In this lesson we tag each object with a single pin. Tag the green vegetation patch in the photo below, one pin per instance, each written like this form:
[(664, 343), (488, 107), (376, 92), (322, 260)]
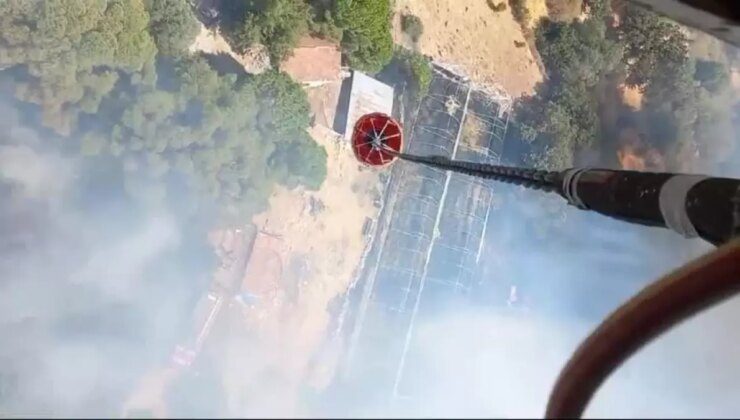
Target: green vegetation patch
[(683, 102), (111, 78), (277, 24), (412, 26), (367, 41), (419, 69)]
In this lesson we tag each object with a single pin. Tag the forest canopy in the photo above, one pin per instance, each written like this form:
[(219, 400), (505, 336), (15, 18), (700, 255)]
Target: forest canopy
[(172, 24), (367, 39), (683, 106), (276, 24), (362, 26), (113, 79)]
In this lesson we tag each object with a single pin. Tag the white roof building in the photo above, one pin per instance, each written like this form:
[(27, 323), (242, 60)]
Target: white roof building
[(367, 95)]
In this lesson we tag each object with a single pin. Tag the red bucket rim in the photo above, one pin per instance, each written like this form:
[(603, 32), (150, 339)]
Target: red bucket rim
[(371, 129)]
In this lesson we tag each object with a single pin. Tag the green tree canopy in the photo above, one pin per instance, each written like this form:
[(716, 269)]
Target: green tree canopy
[(418, 68), (172, 24), (231, 139), (284, 107), (300, 161), (72, 51), (277, 24), (323, 25), (367, 39), (683, 107), (563, 116), (578, 52), (655, 48)]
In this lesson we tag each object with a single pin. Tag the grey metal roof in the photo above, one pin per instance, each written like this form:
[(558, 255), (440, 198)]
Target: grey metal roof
[(367, 95)]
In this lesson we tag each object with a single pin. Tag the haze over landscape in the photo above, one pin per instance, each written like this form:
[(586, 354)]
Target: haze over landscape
[(182, 228)]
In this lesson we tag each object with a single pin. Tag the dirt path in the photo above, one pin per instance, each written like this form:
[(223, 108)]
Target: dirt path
[(468, 34)]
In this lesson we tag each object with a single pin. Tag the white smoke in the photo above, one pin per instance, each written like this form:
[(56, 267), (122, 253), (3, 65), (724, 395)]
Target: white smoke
[(117, 268), (91, 293), (491, 360), (492, 365), (39, 175)]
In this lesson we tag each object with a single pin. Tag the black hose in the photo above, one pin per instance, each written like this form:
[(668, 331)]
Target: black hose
[(656, 309), (530, 178)]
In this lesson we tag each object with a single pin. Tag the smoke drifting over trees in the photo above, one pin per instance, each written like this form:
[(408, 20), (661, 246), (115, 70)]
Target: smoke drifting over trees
[(118, 152), (684, 105), (91, 68), (95, 287)]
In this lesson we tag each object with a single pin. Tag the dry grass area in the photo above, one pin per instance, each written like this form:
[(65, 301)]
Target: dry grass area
[(323, 229), (537, 11), (323, 100), (563, 10), (309, 247), (474, 38), (473, 137)]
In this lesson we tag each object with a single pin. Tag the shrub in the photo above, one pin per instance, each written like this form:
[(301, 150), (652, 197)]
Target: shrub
[(418, 68), (325, 27), (367, 40), (172, 24), (520, 12), (278, 27), (421, 69), (496, 7), (412, 26)]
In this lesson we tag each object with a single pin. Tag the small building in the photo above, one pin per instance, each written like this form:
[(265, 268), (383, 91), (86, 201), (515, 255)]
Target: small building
[(337, 101), (365, 95), (314, 62)]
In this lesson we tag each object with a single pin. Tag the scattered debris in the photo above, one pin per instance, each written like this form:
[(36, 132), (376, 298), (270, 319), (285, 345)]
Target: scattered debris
[(452, 105), (314, 206)]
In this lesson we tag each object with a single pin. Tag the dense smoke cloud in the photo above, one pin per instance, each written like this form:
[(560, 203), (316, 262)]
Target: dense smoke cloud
[(485, 364), (94, 287), (492, 360)]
